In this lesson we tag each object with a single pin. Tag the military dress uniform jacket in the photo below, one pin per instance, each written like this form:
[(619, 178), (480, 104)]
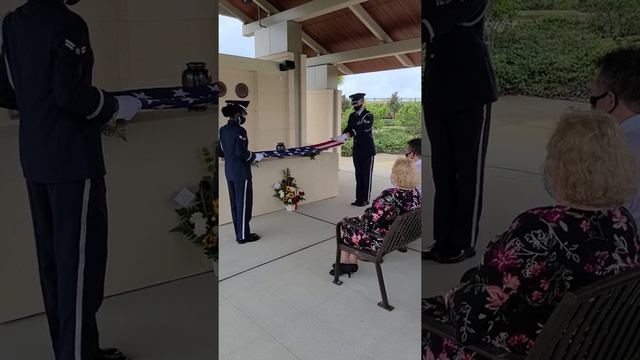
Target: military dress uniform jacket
[(46, 75), (233, 146), (360, 127), (458, 66)]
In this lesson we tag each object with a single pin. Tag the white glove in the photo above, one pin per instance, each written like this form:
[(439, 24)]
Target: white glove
[(259, 157), (128, 107), (341, 138)]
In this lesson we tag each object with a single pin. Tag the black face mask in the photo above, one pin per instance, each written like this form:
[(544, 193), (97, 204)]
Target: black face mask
[(357, 107), (242, 120)]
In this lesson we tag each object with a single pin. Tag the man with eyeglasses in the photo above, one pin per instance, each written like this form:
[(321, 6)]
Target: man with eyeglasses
[(616, 90)]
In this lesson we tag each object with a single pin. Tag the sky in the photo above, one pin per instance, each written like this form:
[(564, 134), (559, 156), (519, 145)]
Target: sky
[(376, 85)]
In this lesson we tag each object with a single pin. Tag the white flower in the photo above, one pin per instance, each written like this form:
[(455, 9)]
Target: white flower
[(276, 186), (281, 193), (200, 224)]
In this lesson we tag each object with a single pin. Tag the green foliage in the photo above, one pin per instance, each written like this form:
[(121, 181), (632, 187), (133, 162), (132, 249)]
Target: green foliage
[(549, 57), (394, 105), (614, 18), (410, 116), (115, 131), (552, 52), (346, 103), (550, 4), (501, 15)]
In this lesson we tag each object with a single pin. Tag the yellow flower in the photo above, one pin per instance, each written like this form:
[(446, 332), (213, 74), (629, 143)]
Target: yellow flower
[(209, 241)]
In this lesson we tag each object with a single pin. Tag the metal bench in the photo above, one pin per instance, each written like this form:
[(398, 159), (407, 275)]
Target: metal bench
[(600, 321), (405, 229)]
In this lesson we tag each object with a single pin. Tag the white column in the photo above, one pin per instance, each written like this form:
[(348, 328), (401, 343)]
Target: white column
[(280, 42)]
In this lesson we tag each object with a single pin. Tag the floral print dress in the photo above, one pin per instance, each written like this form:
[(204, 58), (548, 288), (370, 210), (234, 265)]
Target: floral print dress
[(526, 271), (378, 218)]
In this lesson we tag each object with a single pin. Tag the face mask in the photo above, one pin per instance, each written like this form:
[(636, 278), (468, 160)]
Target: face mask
[(357, 107), (242, 119)]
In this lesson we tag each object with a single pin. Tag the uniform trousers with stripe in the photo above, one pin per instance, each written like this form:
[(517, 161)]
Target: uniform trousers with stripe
[(459, 141), (70, 228), (364, 176), (241, 198)]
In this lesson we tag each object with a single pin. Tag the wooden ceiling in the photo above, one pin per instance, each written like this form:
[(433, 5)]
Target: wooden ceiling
[(342, 30)]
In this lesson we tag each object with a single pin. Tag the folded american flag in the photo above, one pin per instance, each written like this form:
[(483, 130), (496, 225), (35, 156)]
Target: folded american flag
[(174, 97), (311, 150)]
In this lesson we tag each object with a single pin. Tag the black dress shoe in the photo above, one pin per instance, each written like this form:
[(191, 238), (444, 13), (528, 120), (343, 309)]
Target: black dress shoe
[(344, 269), (111, 354), (360, 203), (254, 237), (431, 254), (456, 257), (251, 238), (402, 249)]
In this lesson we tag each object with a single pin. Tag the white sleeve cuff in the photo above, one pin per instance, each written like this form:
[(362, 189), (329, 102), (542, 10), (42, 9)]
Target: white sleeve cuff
[(99, 108)]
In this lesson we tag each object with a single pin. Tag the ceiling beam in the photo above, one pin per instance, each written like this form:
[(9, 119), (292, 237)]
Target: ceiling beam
[(378, 31), (372, 52), (322, 51), (268, 7), (300, 13), (226, 6)]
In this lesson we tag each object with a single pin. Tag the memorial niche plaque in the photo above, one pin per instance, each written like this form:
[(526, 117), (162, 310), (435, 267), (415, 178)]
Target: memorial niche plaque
[(242, 90)]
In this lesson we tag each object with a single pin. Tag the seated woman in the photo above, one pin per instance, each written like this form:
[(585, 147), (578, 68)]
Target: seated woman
[(588, 235), (377, 219)]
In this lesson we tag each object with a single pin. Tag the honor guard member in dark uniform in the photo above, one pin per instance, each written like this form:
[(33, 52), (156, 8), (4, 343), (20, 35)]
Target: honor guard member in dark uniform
[(233, 146), (459, 90), (360, 128), (45, 74)]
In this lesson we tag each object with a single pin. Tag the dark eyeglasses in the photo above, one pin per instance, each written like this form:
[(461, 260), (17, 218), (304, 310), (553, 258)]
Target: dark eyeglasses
[(594, 99)]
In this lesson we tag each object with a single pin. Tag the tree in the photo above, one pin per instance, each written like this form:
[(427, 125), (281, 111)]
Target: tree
[(340, 80), (394, 104), (346, 103)]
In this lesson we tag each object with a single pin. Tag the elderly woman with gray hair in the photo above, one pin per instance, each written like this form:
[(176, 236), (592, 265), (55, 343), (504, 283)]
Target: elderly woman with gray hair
[(586, 236)]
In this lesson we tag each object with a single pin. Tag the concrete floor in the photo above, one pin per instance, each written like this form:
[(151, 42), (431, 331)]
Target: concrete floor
[(168, 322), (277, 300)]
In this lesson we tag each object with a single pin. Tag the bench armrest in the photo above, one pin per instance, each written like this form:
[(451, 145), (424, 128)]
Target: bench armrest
[(448, 332)]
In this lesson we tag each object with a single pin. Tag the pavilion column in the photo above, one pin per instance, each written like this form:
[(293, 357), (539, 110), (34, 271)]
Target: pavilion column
[(324, 111), (280, 42)]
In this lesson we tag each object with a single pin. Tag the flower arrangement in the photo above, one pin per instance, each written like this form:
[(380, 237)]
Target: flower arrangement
[(287, 190), (199, 220)]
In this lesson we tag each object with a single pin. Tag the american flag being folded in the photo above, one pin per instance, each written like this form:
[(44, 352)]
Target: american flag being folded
[(174, 97), (310, 150)]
